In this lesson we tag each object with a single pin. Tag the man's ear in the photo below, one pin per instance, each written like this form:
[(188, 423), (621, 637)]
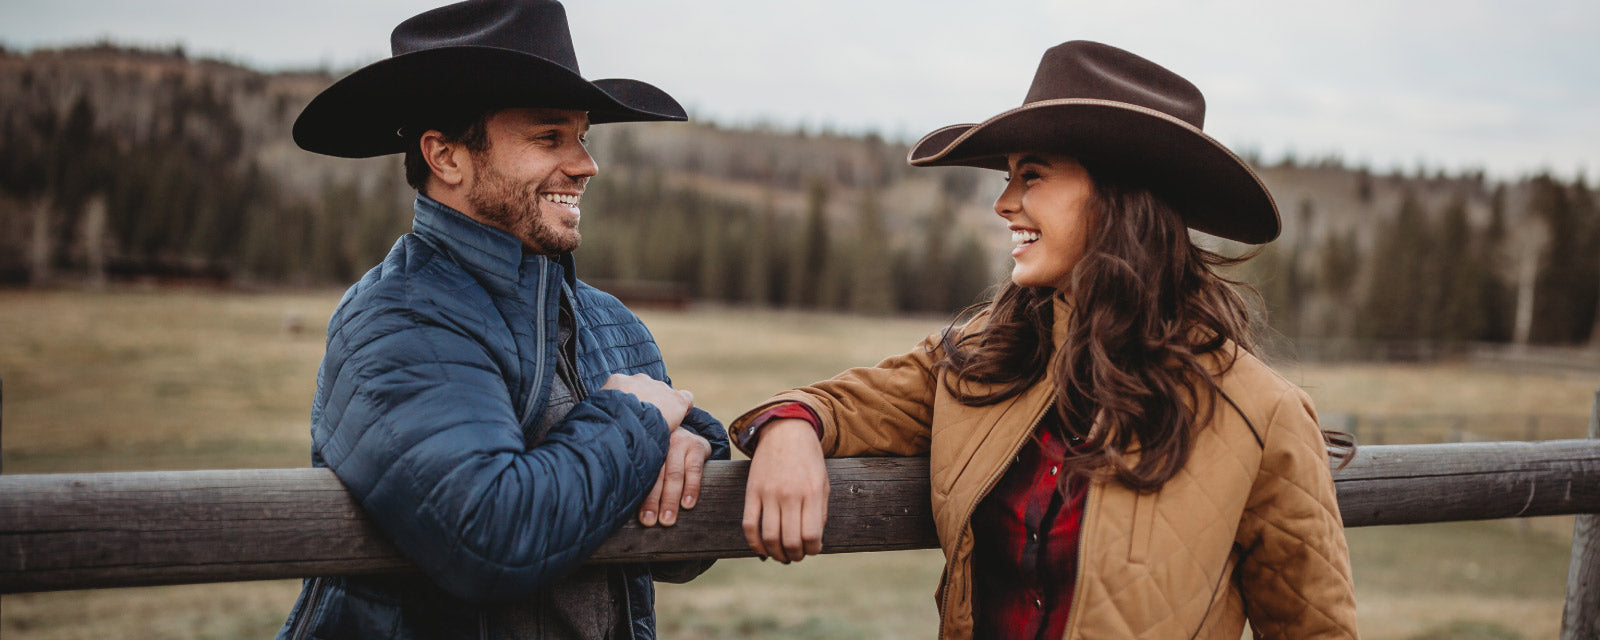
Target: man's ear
[(448, 161)]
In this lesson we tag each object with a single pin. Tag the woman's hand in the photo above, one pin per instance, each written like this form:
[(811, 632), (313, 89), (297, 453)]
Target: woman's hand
[(786, 497)]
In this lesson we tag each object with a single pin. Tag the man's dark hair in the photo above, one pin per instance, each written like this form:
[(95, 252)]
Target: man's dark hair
[(469, 129)]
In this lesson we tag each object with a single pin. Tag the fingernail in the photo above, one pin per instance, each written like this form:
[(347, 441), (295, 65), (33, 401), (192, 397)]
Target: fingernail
[(648, 518), (668, 517), (688, 502)]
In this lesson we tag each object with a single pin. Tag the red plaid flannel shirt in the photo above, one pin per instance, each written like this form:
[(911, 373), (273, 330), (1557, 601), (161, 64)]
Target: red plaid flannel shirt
[(1025, 545)]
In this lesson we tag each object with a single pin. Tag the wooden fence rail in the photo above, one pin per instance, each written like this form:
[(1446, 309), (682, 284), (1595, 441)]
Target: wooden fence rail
[(77, 531)]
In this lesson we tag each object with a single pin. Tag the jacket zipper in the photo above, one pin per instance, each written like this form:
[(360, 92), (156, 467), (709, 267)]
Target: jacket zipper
[(580, 388), (966, 529), (627, 603), (539, 342), (313, 600)]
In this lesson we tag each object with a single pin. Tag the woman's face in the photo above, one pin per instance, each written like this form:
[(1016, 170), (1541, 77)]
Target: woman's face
[(1046, 205)]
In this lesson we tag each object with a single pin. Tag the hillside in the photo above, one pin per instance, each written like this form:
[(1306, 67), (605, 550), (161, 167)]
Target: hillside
[(130, 163)]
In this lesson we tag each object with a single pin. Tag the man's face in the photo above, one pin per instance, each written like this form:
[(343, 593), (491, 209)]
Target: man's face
[(529, 180)]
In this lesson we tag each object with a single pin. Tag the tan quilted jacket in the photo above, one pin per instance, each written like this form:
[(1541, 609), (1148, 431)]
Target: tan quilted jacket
[(1245, 530)]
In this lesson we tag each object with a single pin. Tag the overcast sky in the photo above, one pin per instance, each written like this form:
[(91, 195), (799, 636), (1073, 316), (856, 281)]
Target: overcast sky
[(1511, 87)]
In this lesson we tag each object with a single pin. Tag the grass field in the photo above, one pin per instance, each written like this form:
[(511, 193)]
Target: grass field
[(198, 379)]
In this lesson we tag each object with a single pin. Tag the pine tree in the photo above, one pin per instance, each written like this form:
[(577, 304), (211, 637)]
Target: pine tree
[(1586, 216), (810, 267), (969, 275), (1462, 307), (762, 251), (871, 278), (932, 283), (1398, 304), (1566, 284), (1499, 300), (712, 249)]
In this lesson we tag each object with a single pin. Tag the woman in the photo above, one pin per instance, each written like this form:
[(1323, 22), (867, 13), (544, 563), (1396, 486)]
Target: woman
[(1107, 457)]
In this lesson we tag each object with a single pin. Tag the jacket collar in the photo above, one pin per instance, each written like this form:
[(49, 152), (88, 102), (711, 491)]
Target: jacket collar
[(1062, 314), (480, 248)]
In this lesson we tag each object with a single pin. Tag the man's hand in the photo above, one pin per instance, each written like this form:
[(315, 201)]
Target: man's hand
[(672, 403), (678, 485), (786, 496)]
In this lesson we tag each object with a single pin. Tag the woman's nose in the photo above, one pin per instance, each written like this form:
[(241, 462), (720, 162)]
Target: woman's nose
[(1007, 203)]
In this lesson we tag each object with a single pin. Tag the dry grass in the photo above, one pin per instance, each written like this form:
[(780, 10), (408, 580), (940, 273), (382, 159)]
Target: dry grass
[(158, 381), (199, 612), (125, 380), (1450, 388), (734, 359)]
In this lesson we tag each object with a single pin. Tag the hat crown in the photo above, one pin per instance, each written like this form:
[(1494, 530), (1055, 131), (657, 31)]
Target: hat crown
[(536, 27), (1090, 70)]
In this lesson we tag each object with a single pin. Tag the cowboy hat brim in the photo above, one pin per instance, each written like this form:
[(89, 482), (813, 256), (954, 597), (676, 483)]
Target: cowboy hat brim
[(1216, 191), (359, 116)]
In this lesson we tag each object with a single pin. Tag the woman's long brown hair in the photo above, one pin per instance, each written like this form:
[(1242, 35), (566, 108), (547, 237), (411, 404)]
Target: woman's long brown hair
[(1148, 305)]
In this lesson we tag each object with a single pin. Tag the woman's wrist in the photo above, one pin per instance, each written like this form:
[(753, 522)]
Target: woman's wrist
[(787, 428), (750, 436)]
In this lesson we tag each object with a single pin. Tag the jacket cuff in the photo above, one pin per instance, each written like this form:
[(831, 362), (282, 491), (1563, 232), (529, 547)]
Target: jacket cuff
[(750, 436)]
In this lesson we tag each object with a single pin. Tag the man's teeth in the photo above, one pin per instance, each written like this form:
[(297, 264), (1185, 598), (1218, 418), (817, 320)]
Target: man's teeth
[(1024, 237), (559, 198)]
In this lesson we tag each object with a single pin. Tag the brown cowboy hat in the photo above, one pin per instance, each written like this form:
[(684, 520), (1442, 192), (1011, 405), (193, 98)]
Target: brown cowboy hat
[(464, 56), (1111, 107)]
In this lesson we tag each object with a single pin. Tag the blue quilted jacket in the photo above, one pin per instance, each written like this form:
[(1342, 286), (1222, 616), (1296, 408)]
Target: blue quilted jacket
[(438, 365)]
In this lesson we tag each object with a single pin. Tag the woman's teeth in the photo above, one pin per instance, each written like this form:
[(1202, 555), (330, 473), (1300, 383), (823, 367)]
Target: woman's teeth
[(1024, 237)]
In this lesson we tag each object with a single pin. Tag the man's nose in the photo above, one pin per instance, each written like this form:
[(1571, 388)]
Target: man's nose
[(582, 165)]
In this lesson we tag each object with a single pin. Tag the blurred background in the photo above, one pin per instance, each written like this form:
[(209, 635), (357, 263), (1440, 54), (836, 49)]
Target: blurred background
[(168, 257)]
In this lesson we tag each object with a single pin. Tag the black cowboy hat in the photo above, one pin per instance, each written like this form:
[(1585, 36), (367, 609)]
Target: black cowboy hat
[(1109, 106), (466, 56)]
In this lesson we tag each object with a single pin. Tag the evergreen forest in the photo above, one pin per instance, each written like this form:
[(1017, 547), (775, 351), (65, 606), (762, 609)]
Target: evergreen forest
[(143, 165)]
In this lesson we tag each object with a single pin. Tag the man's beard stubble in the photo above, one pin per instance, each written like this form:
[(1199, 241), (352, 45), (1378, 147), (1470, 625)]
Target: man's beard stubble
[(515, 208)]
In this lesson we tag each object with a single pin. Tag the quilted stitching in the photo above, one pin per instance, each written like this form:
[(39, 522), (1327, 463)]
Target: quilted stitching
[(1198, 518), (1295, 543)]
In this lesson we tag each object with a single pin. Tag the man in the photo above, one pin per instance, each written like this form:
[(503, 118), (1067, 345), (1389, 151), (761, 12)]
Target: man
[(496, 417)]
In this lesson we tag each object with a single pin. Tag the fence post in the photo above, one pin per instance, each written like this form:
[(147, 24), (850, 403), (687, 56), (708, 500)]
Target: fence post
[(1581, 618)]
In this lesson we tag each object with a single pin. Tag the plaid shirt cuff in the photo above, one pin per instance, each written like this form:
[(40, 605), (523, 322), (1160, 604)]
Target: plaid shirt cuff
[(791, 410)]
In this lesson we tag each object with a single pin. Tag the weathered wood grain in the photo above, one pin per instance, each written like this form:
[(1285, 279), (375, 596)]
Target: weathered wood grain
[(1409, 484), (1580, 617), (75, 531)]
